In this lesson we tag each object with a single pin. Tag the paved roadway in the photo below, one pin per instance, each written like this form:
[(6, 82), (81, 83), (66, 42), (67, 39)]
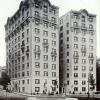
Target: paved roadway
[(3, 93)]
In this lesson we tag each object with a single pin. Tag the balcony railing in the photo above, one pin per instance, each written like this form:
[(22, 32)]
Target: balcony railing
[(45, 44), (91, 57), (75, 56), (83, 49), (53, 54), (37, 51)]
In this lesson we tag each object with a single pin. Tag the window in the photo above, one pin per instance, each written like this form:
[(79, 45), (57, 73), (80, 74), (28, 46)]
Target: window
[(61, 41), (45, 9), (53, 74), (37, 89), (53, 20), (90, 19), (90, 26), (45, 17), (45, 49), (75, 82), (83, 82), (83, 25), (91, 32), (91, 68), (27, 65), (45, 24), (53, 43), (67, 60), (37, 31), (37, 39), (61, 35), (83, 40), (45, 57), (75, 60), (23, 74), (27, 73), (67, 32), (27, 31), (36, 5), (67, 24), (83, 61), (23, 66), (91, 48), (83, 18), (45, 33), (37, 56), (61, 28), (83, 48), (83, 54), (75, 67), (23, 89), (67, 39), (75, 39), (91, 61), (45, 73), (37, 21), (76, 46), (37, 48), (67, 46), (75, 88), (22, 35), (67, 75), (27, 40), (83, 75), (53, 66), (67, 82), (37, 64), (75, 16), (45, 40), (90, 55), (45, 65), (83, 88), (75, 24), (27, 81), (53, 35), (23, 81), (83, 68), (75, 74), (67, 53), (61, 21), (37, 81), (53, 58), (84, 32), (37, 73), (91, 41)]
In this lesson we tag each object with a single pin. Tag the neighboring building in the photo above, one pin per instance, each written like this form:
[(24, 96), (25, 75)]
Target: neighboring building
[(32, 47), (77, 49), (98, 74)]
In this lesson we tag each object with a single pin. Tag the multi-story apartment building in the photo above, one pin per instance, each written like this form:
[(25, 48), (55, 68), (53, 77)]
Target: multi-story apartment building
[(98, 73), (77, 42), (32, 47)]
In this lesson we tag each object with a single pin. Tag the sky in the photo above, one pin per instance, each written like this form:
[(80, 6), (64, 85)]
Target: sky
[(9, 7)]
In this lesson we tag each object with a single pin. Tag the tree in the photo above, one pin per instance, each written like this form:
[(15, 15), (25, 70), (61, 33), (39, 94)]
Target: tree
[(4, 80), (92, 81)]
